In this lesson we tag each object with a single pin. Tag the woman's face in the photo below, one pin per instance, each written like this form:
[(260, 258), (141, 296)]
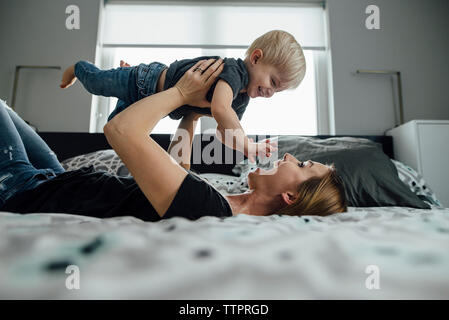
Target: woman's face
[(286, 175)]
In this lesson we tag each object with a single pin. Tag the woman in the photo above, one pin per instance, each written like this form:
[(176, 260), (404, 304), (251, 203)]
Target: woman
[(31, 180)]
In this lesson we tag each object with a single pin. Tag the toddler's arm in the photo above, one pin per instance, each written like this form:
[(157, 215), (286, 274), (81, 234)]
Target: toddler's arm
[(229, 130)]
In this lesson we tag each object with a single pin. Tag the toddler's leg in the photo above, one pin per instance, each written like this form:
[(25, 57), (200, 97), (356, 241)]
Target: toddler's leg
[(119, 82)]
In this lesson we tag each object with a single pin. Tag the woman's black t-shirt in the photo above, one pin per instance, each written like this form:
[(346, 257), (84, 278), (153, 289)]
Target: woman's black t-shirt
[(100, 194)]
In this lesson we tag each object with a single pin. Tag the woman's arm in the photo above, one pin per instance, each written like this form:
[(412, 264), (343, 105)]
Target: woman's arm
[(156, 173), (181, 145)]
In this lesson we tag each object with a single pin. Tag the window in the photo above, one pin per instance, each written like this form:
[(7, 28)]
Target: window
[(153, 32)]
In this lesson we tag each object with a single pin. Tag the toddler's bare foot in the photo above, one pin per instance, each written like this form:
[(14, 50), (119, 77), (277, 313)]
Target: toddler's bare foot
[(68, 77), (124, 64)]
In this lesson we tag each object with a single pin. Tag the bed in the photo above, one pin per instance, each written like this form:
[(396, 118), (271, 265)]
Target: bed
[(377, 252)]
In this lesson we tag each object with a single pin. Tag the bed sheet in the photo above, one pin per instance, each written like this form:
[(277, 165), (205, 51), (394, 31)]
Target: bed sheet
[(366, 253)]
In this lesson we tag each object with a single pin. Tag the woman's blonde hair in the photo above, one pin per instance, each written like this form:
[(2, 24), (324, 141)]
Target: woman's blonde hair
[(281, 50), (318, 197)]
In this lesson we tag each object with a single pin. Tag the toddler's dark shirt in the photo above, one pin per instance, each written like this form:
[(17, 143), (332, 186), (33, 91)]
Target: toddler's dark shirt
[(234, 73)]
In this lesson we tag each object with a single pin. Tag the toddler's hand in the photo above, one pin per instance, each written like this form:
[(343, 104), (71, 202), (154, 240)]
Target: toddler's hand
[(261, 149)]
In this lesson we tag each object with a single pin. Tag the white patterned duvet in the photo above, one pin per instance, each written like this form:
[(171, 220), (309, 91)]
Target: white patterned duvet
[(367, 253)]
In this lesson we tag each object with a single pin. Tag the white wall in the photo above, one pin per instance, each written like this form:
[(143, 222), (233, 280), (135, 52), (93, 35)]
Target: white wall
[(34, 33), (413, 39)]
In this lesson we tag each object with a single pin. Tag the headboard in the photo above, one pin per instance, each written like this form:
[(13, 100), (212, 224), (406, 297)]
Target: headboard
[(70, 144)]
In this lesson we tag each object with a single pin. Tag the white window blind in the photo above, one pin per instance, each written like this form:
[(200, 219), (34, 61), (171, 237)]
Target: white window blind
[(210, 24), (142, 33)]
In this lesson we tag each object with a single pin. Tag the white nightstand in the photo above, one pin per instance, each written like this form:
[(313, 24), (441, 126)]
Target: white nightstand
[(424, 146)]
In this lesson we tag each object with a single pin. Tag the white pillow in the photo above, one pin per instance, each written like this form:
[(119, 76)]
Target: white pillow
[(416, 183)]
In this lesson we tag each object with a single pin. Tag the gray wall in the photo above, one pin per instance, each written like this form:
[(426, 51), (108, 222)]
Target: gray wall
[(413, 39), (34, 33)]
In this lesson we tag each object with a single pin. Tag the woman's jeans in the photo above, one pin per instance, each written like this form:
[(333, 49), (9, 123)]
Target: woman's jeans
[(25, 159), (128, 84)]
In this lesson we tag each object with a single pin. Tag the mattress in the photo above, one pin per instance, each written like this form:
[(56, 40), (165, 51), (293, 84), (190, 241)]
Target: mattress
[(365, 253)]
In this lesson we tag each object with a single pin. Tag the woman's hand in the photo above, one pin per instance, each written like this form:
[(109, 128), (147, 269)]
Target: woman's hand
[(195, 83)]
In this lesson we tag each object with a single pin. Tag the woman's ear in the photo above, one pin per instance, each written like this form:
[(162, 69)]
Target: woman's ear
[(256, 56), (288, 198)]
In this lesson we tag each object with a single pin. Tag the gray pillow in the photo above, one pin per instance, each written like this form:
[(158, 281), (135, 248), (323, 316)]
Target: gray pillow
[(369, 177)]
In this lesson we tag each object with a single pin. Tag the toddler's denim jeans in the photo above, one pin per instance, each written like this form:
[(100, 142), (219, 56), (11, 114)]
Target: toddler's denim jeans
[(128, 84), (25, 159)]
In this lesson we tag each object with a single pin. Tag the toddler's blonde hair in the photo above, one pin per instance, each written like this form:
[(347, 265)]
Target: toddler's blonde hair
[(280, 49)]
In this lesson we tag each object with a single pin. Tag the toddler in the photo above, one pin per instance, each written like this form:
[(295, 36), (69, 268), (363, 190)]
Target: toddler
[(274, 62)]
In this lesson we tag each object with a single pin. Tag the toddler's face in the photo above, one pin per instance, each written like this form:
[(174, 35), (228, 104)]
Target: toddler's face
[(264, 81)]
